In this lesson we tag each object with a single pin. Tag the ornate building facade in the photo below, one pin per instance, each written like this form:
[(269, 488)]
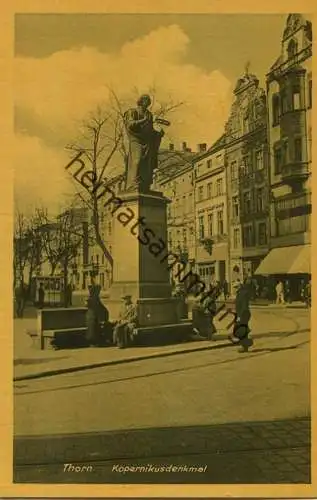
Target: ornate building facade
[(246, 159), (289, 91)]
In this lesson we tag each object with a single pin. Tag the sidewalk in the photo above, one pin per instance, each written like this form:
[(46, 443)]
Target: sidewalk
[(30, 363), (38, 364)]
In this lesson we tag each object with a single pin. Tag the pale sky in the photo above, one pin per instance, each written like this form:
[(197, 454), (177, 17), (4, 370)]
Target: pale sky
[(64, 64)]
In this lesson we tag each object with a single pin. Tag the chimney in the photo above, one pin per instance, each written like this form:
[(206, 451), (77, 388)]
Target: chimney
[(171, 147), (184, 146), (201, 148)]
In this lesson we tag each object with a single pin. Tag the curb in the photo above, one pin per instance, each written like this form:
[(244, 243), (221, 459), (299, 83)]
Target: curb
[(118, 362), (273, 307)]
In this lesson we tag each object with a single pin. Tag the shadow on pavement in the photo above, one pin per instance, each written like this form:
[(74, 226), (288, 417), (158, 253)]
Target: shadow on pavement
[(32, 361)]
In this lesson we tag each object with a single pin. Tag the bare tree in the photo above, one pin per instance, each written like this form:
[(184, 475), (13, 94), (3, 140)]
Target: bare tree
[(61, 240), (27, 246), (103, 142), (20, 247)]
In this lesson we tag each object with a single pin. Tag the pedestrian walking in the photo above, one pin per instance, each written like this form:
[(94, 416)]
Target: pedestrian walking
[(41, 296), (210, 310), (241, 330), (287, 292), (308, 294), (123, 330), (279, 289)]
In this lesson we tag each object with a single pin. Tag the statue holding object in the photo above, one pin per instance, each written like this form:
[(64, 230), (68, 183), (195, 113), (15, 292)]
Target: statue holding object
[(144, 143)]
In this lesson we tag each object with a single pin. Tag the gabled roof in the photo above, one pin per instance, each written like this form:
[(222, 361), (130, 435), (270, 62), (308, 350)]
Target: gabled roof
[(293, 23), (218, 144), (173, 163), (277, 63)]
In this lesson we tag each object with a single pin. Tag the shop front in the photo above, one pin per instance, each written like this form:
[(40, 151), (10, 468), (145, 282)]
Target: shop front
[(291, 265)]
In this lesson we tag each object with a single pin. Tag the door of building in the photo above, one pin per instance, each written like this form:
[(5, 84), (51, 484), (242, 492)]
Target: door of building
[(222, 271)]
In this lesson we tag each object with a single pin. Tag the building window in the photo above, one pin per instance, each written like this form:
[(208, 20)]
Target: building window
[(209, 190), (190, 202), (247, 202), (259, 159), (220, 221), (200, 193), (245, 124), (247, 165), (185, 237), (298, 149), (285, 153), (310, 93), (235, 207), (234, 170), (247, 236), (169, 239), (210, 224), (219, 187), (284, 102), (276, 109), (292, 49), (209, 163), (201, 227), (277, 160), (260, 199), (262, 234), (236, 237), (296, 98), (184, 204)]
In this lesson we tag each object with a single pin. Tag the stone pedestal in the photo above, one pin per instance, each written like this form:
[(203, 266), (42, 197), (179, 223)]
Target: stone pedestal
[(140, 258)]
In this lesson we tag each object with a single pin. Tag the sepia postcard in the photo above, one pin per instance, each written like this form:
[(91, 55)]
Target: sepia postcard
[(157, 250)]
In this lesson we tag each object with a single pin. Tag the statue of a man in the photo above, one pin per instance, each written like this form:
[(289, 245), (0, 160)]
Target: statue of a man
[(144, 143)]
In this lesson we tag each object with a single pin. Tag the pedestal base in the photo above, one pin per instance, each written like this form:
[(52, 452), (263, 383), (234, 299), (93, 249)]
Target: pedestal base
[(151, 312)]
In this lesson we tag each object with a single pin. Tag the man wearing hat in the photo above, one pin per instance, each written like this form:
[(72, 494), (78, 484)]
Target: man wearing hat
[(127, 321)]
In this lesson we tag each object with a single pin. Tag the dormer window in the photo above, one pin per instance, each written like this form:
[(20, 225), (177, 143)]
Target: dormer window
[(292, 49)]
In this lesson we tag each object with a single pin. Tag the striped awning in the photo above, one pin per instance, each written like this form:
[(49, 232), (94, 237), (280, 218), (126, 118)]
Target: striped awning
[(286, 260)]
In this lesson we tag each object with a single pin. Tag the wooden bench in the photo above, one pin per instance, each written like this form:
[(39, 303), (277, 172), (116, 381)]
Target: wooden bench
[(60, 327), (66, 328)]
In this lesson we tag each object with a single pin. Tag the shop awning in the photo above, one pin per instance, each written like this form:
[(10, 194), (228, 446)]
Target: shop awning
[(302, 262), (286, 260)]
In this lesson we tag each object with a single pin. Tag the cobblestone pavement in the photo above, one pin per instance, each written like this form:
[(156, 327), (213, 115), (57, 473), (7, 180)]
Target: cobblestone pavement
[(245, 453)]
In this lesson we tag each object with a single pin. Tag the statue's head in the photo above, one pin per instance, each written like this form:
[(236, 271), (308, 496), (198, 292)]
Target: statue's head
[(144, 101)]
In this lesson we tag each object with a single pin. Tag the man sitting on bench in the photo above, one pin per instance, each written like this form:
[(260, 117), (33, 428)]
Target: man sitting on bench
[(123, 330)]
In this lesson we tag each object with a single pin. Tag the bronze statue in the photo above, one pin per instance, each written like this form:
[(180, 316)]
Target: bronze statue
[(144, 143)]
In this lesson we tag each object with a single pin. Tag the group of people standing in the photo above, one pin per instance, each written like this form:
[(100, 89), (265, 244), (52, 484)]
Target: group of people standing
[(283, 292)]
